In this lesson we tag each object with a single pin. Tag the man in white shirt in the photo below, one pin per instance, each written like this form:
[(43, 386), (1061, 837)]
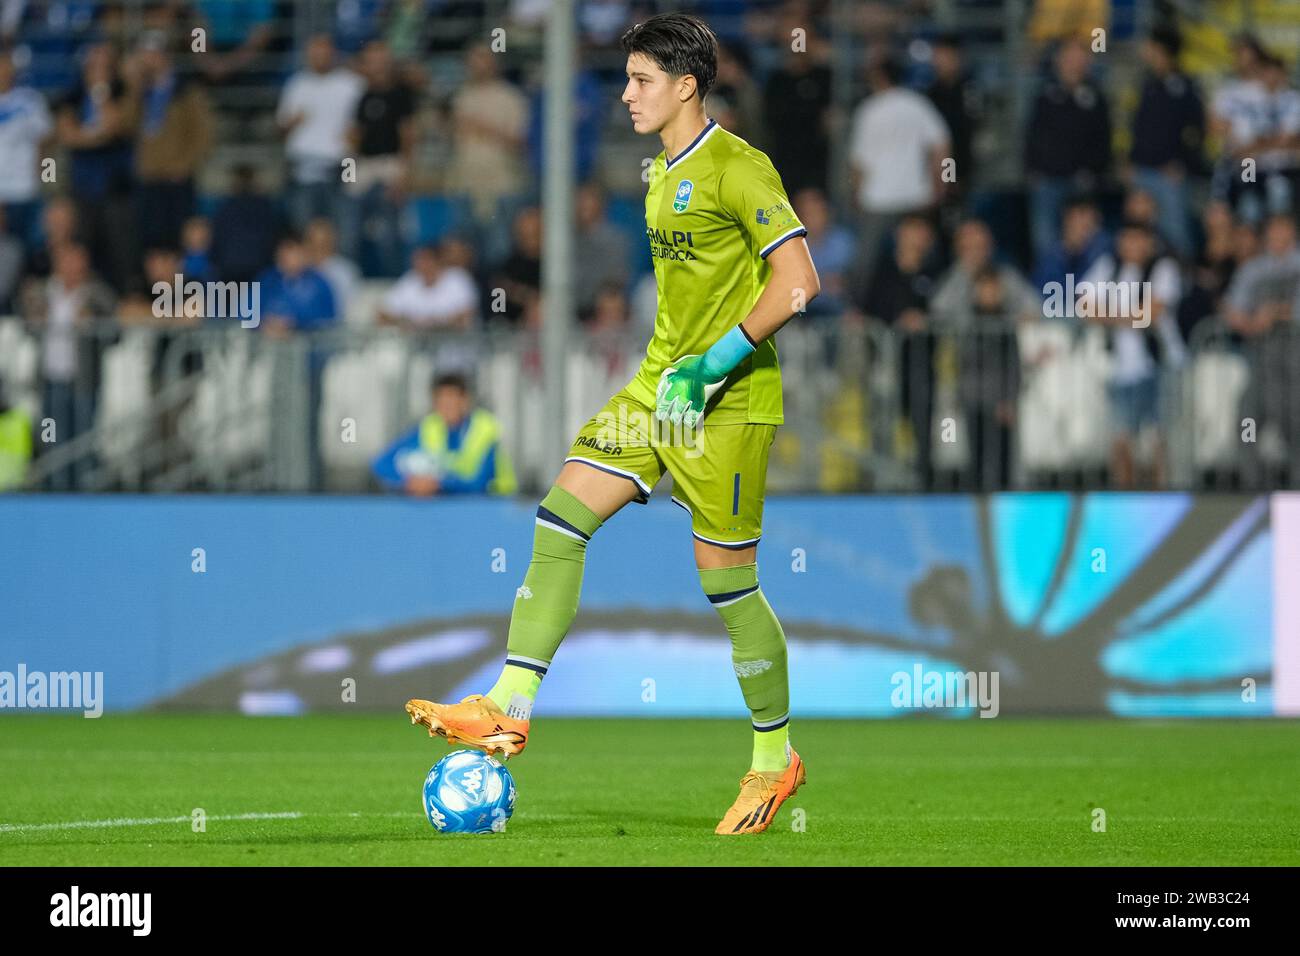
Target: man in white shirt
[(316, 108), (1142, 340), (431, 295), (896, 150), (24, 124)]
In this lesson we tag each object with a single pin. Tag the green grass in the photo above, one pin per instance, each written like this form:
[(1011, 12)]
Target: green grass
[(900, 792)]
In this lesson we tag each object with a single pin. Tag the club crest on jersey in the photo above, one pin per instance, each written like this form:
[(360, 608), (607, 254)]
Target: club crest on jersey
[(683, 197)]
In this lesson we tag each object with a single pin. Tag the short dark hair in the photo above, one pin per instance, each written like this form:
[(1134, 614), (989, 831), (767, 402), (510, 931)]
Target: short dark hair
[(450, 380), (678, 44)]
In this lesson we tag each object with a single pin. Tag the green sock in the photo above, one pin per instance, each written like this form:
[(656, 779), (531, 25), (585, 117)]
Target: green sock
[(758, 654), (548, 600)]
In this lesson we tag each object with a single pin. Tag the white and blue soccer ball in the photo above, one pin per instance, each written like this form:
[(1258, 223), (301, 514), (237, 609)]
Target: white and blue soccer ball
[(469, 792)]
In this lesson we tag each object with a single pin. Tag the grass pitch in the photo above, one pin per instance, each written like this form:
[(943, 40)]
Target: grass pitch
[(121, 790)]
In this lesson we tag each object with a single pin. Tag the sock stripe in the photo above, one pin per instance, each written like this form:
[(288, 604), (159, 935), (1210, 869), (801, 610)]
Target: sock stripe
[(766, 725), (528, 663), (549, 519), (730, 597)]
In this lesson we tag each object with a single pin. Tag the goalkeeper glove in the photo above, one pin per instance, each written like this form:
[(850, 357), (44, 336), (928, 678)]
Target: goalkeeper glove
[(686, 386)]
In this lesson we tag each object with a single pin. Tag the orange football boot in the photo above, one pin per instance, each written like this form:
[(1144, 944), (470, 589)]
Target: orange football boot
[(761, 795), (475, 722)]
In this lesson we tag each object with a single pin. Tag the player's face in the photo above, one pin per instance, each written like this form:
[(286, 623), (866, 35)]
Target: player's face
[(650, 94)]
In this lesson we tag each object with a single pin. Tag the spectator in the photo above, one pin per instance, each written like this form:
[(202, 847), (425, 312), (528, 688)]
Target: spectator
[(12, 259), (315, 114), (1227, 244), (735, 101), (899, 296), (342, 274), (831, 247), (97, 125), (1142, 339), (58, 228), (1277, 143), (294, 296), (897, 145), (65, 310), (1067, 142), (24, 125), (954, 301), (174, 139), (15, 444), (489, 121), (383, 136), (244, 229), (1081, 244), (196, 243), (599, 246), (431, 295), (520, 276), (798, 96), (989, 372), (589, 105), (1168, 133), (956, 98), (1235, 116), (1261, 308), (456, 449)]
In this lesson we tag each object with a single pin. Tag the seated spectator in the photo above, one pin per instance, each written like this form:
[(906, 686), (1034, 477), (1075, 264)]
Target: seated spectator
[(989, 374), (1264, 289), (599, 246), (1082, 243), (59, 227), (196, 242), (520, 276), (831, 247), (151, 302), (294, 296), (1227, 244), (431, 295), (456, 449), (1142, 340), (341, 273), (244, 229), (954, 295), (15, 444)]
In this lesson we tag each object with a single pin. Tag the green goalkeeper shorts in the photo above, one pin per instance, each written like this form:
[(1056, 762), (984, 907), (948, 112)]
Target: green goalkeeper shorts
[(719, 471)]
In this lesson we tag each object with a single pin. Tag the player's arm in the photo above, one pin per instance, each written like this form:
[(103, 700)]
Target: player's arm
[(793, 285)]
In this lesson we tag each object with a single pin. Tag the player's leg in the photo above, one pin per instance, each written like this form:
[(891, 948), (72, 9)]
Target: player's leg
[(723, 487), (605, 469), (581, 500)]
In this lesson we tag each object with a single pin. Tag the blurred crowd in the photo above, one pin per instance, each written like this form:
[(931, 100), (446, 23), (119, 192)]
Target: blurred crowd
[(112, 125)]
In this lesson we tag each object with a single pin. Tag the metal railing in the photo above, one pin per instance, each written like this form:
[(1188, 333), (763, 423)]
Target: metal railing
[(1032, 406)]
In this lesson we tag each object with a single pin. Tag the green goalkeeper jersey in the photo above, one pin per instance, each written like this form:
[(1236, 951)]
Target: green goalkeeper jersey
[(713, 215)]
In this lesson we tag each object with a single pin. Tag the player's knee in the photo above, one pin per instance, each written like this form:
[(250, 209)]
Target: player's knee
[(563, 523), (724, 587)]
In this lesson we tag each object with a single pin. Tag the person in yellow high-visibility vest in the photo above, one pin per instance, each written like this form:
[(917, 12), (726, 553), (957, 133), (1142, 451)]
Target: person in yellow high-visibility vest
[(15, 445), (456, 449)]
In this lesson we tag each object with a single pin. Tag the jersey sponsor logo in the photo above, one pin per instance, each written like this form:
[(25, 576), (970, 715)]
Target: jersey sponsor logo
[(671, 244), (683, 197), (609, 448), (524, 592), (765, 216)]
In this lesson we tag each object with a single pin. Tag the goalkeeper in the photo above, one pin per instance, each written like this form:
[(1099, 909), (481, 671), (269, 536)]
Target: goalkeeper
[(732, 267)]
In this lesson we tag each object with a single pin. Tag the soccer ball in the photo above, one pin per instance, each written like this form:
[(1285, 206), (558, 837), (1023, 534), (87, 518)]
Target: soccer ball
[(469, 792)]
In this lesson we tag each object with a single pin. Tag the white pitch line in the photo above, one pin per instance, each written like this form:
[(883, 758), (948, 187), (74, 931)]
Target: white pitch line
[(155, 821)]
